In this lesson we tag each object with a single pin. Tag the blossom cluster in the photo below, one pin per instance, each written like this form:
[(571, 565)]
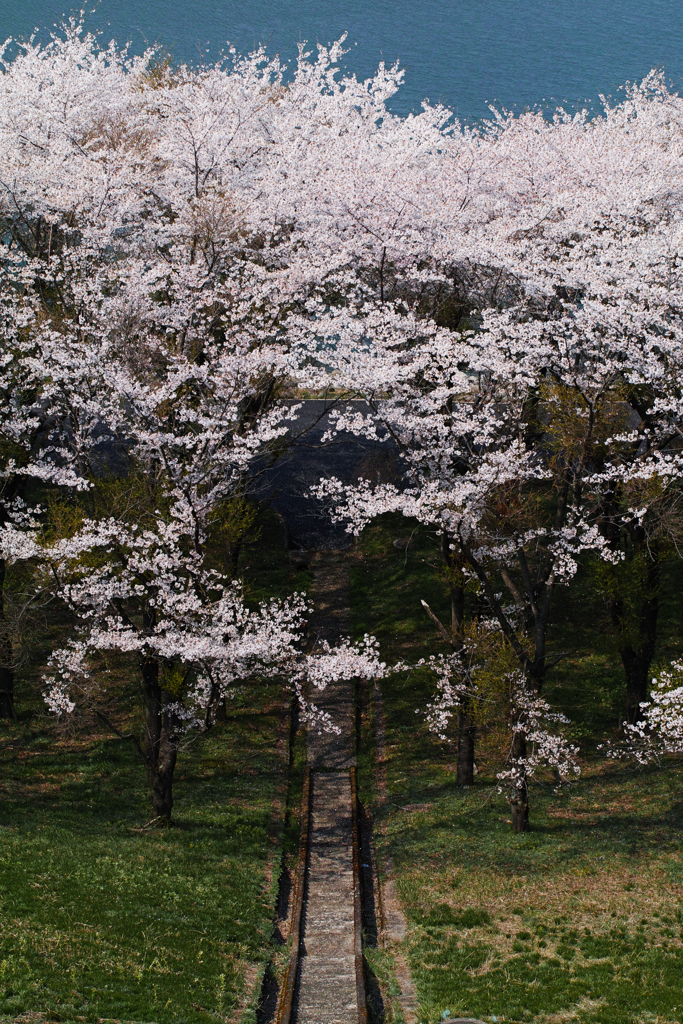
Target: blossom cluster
[(184, 251)]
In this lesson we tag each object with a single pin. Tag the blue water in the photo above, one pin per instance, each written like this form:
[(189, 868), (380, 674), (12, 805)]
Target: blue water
[(466, 53)]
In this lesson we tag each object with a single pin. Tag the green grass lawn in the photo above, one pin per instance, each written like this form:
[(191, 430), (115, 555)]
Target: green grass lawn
[(580, 920), (100, 918)]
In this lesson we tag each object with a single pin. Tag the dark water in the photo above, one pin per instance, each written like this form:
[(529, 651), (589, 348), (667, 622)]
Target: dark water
[(466, 53)]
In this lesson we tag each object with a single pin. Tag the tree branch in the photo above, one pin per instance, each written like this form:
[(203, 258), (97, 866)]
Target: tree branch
[(495, 606), (439, 625), (512, 587), (124, 736)]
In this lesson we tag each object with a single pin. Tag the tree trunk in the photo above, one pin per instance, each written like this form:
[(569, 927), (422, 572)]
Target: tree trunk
[(161, 746), (637, 659), (466, 738), (637, 670), (153, 709), (519, 794), (234, 551), (162, 781), (215, 710), (6, 672), (6, 693), (452, 561), (466, 727)]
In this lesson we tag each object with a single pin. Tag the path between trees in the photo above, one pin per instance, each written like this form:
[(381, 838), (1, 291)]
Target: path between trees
[(327, 992), (328, 986)]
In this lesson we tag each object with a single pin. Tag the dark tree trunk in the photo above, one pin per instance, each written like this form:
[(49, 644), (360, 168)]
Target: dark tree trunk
[(162, 781), (215, 710), (6, 672), (519, 794), (637, 659), (466, 727), (452, 562), (161, 746), (637, 670), (466, 739), (467, 732), (6, 693), (234, 551), (153, 709)]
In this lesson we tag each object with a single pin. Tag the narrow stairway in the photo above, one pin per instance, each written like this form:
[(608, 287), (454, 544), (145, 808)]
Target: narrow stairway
[(327, 974), (327, 990)]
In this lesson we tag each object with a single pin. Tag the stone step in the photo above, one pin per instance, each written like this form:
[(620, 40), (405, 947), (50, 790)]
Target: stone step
[(327, 976)]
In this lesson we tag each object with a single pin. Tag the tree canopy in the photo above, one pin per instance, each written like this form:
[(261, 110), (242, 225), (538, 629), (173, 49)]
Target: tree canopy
[(186, 252)]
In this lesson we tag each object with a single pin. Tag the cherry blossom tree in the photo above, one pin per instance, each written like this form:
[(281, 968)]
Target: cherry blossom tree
[(523, 354), (659, 731), (169, 272), (462, 414), (189, 630), (522, 729), (48, 426), (50, 375), (185, 248), (195, 640)]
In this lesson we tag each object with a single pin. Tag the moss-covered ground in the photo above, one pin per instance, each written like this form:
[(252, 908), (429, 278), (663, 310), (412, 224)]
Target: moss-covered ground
[(579, 920)]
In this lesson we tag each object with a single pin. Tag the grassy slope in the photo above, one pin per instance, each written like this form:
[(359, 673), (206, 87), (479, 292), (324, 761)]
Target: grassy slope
[(102, 919), (581, 919)]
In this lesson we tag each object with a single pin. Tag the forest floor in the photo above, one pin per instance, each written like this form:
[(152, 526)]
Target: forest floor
[(579, 920)]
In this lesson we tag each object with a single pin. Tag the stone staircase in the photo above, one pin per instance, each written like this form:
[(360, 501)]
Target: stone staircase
[(327, 990), (327, 973)]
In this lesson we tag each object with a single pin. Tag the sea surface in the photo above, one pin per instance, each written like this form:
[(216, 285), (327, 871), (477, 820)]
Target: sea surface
[(465, 53)]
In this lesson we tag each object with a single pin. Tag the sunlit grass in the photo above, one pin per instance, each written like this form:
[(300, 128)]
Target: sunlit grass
[(103, 918), (580, 920), (100, 918)]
